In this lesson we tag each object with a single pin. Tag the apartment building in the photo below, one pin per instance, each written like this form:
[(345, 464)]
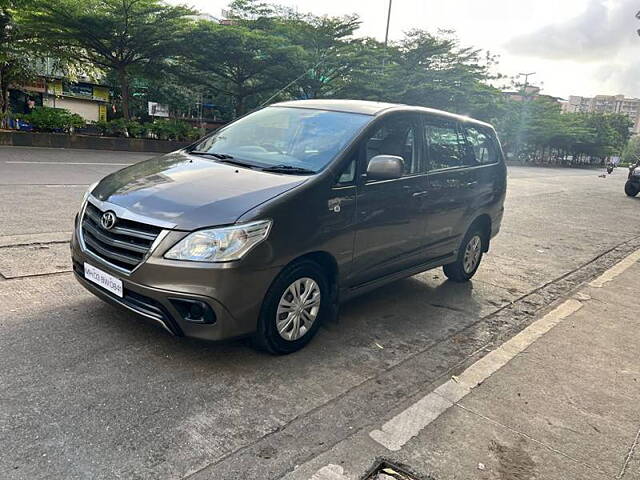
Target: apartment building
[(606, 104)]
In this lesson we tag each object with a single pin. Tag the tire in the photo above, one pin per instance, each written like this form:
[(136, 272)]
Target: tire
[(459, 271), (304, 274), (630, 189)]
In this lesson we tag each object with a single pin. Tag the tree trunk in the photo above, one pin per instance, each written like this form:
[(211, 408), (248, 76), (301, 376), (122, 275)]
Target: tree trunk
[(240, 105), (123, 79), (4, 101)]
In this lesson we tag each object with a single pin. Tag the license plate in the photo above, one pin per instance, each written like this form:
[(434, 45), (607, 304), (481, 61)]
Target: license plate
[(106, 281)]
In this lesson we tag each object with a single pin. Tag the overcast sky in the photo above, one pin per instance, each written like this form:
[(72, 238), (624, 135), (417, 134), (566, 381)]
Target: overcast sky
[(579, 47)]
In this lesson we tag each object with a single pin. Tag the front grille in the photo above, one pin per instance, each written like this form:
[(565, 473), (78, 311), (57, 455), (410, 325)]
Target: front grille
[(125, 245)]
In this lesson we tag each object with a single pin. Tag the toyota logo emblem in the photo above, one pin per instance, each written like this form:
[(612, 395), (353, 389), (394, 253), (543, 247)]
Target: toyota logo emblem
[(108, 220)]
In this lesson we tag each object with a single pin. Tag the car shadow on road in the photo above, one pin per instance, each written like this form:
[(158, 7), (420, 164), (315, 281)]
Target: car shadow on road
[(404, 316)]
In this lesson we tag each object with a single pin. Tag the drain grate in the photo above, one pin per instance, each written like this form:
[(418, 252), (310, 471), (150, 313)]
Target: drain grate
[(385, 470)]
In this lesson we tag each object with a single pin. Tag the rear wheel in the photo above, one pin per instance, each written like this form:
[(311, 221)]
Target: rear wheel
[(469, 256), (631, 189), (295, 305)]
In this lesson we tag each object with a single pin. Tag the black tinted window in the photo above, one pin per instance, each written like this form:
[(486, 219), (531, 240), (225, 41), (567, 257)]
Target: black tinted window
[(444, 144), (483, 146), (396, 136), (348, 175)]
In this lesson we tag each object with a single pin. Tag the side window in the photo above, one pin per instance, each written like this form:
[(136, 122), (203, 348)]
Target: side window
[(444, 144), (396, 136), (348, 175), (483, 146)]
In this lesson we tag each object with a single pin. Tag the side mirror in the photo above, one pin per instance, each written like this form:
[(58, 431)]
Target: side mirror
[(385, 167)]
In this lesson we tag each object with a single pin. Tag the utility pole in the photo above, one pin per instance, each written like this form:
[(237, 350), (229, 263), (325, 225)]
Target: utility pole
[(526, 82), (521, 120), (386, 35)]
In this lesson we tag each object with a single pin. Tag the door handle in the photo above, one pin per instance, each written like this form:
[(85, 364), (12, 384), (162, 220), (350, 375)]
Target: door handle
[(420, 194)]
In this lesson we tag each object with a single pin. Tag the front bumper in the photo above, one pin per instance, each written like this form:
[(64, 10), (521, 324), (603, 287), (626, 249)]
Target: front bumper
[(234, 292)]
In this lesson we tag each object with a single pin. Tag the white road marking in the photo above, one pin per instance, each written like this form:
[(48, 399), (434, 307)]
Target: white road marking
[(67, 163), (330, 472), (616, 270), (407, 424)]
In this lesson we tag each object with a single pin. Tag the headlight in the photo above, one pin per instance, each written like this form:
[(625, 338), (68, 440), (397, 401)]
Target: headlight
[(636, 171), (220, 244), (88, 192)]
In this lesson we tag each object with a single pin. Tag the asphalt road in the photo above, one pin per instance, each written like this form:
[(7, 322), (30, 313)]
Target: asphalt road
[(87, 391)]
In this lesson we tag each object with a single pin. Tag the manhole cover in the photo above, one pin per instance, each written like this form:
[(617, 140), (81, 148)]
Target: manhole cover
[(389, 471)]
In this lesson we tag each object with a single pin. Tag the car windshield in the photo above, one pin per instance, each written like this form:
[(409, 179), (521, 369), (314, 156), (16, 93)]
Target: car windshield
[(284, 138)]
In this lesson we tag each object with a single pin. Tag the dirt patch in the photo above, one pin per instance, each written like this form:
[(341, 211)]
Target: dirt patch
[(514, 463)]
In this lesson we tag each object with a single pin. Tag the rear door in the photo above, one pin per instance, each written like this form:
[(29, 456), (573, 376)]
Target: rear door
[(390, 213), (452, 181), (484, 152)]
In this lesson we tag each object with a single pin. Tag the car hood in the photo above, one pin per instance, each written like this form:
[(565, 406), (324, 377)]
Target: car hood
[(191, 191)]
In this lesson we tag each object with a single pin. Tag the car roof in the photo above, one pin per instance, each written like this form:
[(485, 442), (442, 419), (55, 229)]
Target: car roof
[(366, 107)]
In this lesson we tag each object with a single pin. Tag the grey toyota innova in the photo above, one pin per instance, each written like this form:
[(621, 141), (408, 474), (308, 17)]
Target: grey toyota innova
[(261, 228)]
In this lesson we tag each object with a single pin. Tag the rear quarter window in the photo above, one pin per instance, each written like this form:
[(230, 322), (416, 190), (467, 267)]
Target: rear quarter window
[(483, 144)]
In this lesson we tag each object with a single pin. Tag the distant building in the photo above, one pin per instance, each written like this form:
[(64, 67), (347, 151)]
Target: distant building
[(530, 93), (87, 99), (606, 104)]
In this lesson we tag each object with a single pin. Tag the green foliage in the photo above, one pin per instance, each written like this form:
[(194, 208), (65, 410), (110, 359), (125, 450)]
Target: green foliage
[(631, 153), (537, 130), (173, 130), (240, 62), (161, 129), (123, 35), (53, 119), (120, 127), (154, 51)]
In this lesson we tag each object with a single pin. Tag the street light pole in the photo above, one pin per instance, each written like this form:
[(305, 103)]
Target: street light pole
[(521, 119), (386, 35), (526, 82)]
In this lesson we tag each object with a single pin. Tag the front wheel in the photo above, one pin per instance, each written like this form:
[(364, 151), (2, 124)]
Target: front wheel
[(631, 189), (293, 308), (469, 257)]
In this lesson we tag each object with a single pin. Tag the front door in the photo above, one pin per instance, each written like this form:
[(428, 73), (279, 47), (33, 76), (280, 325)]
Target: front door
[(390, 213)]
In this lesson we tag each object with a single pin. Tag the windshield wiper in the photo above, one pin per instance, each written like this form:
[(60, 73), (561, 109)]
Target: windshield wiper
[(219, 156), (223, 158), (288, 169)]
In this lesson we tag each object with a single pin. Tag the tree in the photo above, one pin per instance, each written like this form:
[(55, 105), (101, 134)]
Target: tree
[(536, 130), (244, 64), (16, 55), (631, 153), (123, 35), (435, 71), (424, 69), (328, 50)]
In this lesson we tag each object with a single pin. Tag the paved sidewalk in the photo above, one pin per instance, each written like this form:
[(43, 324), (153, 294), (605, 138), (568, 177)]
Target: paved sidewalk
[(561, 400)]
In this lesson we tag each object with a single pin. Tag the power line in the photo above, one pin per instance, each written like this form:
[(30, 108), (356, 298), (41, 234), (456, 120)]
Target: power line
[(289, 84)]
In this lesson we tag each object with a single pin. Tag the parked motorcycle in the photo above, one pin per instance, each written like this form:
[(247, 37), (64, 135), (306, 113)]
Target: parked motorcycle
[(632, 186)]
